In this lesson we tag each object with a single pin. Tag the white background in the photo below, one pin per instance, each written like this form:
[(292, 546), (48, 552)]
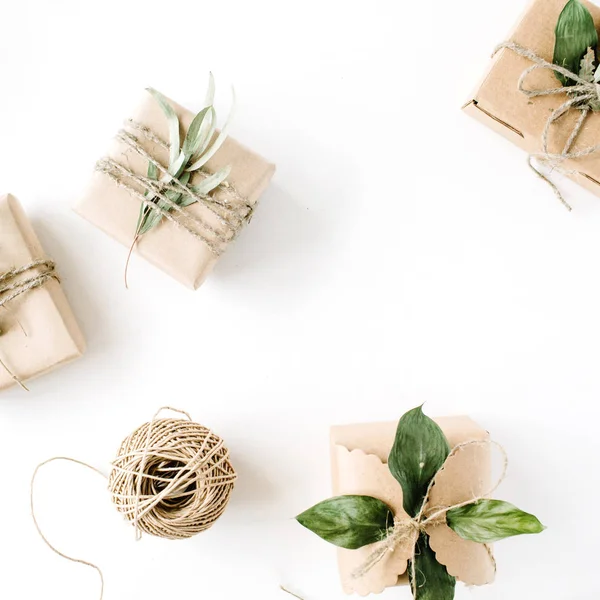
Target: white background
[(403, 254)]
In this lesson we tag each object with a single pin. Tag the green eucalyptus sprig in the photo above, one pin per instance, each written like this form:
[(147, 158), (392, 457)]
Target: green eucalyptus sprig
[(419, 451), (576, 46), (199, 145)]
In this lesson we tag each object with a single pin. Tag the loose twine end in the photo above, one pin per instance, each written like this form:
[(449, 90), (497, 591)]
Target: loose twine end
[(582, 95)]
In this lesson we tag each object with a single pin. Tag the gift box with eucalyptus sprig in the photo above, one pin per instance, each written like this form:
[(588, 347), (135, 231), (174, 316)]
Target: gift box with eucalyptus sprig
[(541, 91), (174, 189), (412, 506)]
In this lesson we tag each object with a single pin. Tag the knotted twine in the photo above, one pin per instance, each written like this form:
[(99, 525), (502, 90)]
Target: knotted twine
[(20, 280), (172, 478), (231, 210), (581, 96), (408, 530)]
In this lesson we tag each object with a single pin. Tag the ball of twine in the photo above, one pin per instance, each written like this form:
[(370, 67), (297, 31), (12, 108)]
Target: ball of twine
[(172, 478)]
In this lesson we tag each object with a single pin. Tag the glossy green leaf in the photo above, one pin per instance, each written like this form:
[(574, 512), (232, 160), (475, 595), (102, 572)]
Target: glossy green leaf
[(419, 450), (349, 521), (488, 521), (432, 581), (575, 33)]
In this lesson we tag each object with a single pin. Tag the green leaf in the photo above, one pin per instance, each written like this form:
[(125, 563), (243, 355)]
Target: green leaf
[(153, 217), (216, 144), (419, 451), (432, 579), (575, 33), (192, 141), (349, 521), (488, 521), (173, 122), (207, 185)]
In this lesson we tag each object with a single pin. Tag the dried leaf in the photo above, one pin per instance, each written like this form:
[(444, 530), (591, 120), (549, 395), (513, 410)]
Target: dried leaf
[(587, 66)]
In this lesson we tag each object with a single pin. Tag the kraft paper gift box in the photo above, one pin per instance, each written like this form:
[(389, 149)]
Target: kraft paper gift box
[(499, 104), (359, 456), (38, 331), (115, 210)]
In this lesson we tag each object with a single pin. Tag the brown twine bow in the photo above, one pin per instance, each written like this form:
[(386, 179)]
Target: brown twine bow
[(409, 529), (232, 212), (21, 280), (581, 96)]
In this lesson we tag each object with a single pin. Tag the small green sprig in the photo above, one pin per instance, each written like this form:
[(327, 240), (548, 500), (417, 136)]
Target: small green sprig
[(420, 450), (199, 145)]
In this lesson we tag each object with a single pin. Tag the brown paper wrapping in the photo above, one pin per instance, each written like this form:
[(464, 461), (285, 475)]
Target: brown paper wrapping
[(39, 329), (359, 466), (167, 246), (498, 103)]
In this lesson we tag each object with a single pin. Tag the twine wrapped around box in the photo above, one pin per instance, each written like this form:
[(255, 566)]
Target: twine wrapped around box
[(21, 280)]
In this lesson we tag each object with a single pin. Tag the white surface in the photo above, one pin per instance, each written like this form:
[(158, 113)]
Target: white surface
[(403, 254)]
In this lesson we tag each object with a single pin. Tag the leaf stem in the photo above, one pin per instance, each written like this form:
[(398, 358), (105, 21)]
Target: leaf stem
[(135, 239)]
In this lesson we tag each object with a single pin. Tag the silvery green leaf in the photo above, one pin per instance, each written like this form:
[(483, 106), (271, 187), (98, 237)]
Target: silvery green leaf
[(192, 141), (207, 132), (349, 521), (173, 121), (420, 449), (597, 75), (152, 173), (207, 185), (587, 66), (154, 217), (210, 90), (212, 181), (216, 144), (433, 582), (575, 33), (488, 521)]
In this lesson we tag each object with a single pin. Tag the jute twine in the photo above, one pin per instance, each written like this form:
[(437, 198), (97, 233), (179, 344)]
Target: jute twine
[(408, 530), (230, 209), (20, 280), (580, 97), (172, 479)]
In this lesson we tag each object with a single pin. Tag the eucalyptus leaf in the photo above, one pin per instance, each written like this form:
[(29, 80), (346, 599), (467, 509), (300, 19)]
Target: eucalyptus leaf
[(173, 122), (154, 217), (214, 146), (420, 449), (488, 521), (208, 185), (192, 141), (433, 582), (210, 90), (349, 521), (575, 33)]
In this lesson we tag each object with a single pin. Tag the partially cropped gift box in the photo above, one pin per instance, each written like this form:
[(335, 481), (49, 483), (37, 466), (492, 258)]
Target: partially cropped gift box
[(499, 104), (188, 241), (38, 331), (411, 506)]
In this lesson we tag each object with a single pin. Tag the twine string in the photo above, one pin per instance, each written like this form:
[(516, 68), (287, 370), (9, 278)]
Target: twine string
[(408, 530), (21, 280), (581, 96), (231, 212), (171, 478)]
